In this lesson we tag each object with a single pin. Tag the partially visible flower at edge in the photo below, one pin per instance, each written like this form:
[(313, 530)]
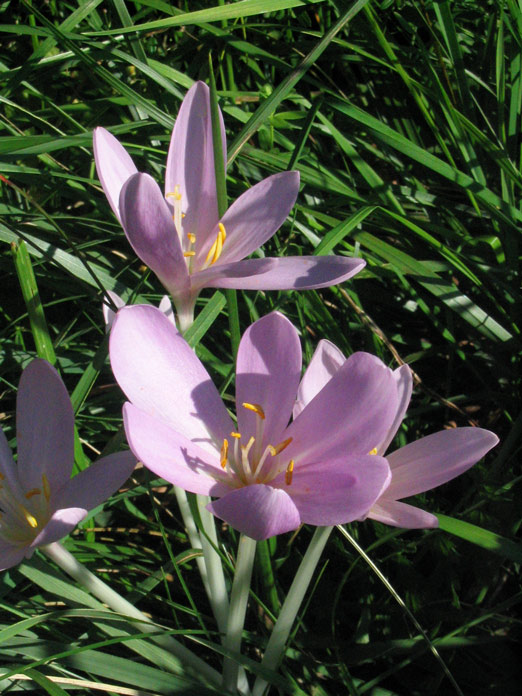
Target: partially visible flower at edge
[(164, 306), (268, 476), (180, 236), (39, 502), (416, 467)]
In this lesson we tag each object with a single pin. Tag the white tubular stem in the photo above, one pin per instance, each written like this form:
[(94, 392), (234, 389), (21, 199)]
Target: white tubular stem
[(291, 605), (238, 603), (193, 535)]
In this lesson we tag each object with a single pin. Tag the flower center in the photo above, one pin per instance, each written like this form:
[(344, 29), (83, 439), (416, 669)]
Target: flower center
[(22, 520), (188, 241), (247, 463)]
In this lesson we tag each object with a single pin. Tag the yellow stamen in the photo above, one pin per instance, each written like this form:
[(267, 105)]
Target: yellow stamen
[(189, 253), (46, 487), (191, 237), (224, 454), (256, 408), (30, 519), (236, 435), (216, 249), (32, 492), (289, 472), (174, 194), (280, 447), (373, 451)]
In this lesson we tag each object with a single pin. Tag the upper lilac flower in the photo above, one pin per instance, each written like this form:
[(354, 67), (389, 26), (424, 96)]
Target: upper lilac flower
[(269, 476), (179, 234), (416, 467), (39, 502)]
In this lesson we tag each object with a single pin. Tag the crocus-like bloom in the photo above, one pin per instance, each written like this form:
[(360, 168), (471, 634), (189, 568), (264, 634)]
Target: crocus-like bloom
[(268, 476), (416, 467), (39, 502), (179, 234)]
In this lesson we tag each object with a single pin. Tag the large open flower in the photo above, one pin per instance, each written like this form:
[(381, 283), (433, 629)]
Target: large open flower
[(39, 502), (268, 476), (179, 234), (416, 467)]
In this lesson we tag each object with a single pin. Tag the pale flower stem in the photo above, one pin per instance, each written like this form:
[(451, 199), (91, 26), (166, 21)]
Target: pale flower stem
[(217, 591), (194, 537), (291, 605), (184, 315), (68, 563), (218, 596), (238, 604)]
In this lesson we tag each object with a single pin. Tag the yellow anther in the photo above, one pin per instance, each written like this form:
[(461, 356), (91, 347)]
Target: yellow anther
[(174, 194), (32, 492), (30, 519), (289, 472), (46, 487), (236, 435), (373, 451), (224, 454), (186, 254), (280, 447), (191, 237), (216, 249), (256, 408)]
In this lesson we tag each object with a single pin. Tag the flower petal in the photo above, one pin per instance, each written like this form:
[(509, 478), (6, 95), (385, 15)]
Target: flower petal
[(190, 163), (325, 362), (161, 375), (402, 515), (113, 164), (94, 485), (44, 423), (258, 511), (349, 415), (254, 217), (268, 371), (11, 555), (108, 312), (286, 273), (88, 489), (165, 306), (60, 525), (435, 459), (149, 227), (171, 455), (338, 490), (8, 467), (404, 381)]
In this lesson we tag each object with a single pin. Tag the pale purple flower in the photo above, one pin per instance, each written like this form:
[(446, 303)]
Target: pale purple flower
[(179, 234), (416, 467), (39, 502), (268, 476)]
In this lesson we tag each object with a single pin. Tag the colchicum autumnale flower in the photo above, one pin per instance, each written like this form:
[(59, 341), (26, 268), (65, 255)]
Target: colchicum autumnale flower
[(268, 476), (39, 502), (416, 467), (180, 236)]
